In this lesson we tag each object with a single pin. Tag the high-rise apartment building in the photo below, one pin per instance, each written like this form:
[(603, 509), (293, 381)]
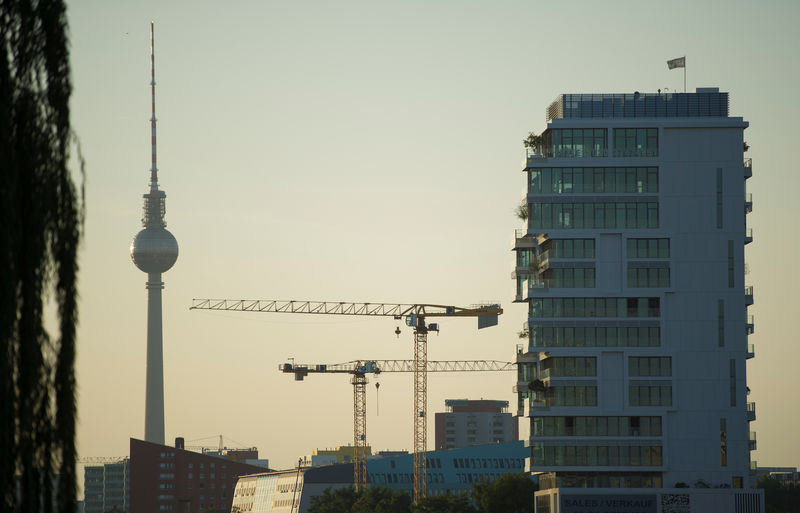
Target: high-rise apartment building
[(107, 486), (474, 422), (632, 265)]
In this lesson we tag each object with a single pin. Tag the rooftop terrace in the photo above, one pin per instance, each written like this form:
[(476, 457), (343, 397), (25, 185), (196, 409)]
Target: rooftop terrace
[(704, 102)]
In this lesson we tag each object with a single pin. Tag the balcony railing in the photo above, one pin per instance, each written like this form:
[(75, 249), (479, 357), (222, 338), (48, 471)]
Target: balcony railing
[(749, 324), (748, 202), (751, 412), (748, 168), (748, 236), (753, 466), (752, 441), (748, 295), (751, 351)]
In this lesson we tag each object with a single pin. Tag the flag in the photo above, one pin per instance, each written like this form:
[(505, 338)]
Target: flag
[(680, 62)]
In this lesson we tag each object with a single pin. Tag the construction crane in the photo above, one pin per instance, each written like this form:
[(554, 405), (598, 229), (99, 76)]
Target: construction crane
[(359, 369), (415, 316)]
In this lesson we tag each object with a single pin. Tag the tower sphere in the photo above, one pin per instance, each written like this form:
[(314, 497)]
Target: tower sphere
[(154, 250)]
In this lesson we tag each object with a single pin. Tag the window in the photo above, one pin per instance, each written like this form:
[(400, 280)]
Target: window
[(719, 197), (596, 426), (570, 248), (569, 366), (650, 395), (571, 396), (586, 180), (649, 366), (635, 142), (594, 215), (594, 336), (723, 442), (594, 307), (731, 275), (648, 248)]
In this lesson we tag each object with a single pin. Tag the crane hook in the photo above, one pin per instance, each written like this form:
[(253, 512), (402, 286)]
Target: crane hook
[(397, 331)]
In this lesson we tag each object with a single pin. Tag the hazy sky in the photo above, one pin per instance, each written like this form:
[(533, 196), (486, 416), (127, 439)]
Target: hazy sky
[(372, 151)]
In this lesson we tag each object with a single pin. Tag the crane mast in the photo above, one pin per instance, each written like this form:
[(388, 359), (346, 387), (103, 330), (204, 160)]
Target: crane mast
[(415, 317)]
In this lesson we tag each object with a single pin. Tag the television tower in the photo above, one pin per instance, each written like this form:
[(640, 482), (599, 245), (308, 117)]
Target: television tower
[(154, 250)]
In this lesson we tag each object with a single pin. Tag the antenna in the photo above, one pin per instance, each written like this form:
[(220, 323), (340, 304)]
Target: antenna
[(153, 169)]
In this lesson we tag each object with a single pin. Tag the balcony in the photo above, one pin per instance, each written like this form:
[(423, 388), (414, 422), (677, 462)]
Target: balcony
[(751, 351), (534, 157), (748, 236), (524, 241), (749, 325), (538, 405), (748, 295), (751, 412), (752, 442), (753, 467), (526, 285), (748, 203), (748, 168)]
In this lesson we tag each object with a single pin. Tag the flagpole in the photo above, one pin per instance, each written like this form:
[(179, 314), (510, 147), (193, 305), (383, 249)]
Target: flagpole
[(684, 73)]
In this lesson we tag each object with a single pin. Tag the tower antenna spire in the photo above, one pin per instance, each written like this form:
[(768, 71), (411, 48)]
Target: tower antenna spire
[(153, 168)]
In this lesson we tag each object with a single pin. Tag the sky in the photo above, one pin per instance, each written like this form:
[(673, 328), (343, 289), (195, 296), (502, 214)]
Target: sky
[(372, 152)]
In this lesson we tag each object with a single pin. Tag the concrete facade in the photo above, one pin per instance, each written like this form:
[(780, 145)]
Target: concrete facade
[(474, 422), (633, 268)]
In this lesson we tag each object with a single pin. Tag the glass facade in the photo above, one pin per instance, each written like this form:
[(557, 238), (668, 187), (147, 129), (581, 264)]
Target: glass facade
[(648, 248), (569, 366), (600, 480), (596, 426), (648, 277), (599, 454), (568, 277), (594, 307), (576, 142), (609, 215), (570, 248), (649, 366), (570, 395), (583, 180), (649, 395), (595, 336)]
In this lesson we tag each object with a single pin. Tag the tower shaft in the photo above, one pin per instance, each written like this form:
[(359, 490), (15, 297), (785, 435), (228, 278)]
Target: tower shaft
[(154, 395)]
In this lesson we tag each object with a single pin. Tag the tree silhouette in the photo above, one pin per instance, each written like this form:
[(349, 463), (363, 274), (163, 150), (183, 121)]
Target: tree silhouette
[(41, 214)]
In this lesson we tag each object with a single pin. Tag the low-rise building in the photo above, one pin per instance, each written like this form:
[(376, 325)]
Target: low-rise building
[(449, 472)]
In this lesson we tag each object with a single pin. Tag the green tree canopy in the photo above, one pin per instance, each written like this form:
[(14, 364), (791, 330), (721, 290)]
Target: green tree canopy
[(372, 500), (509, 493), (445, 504)]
